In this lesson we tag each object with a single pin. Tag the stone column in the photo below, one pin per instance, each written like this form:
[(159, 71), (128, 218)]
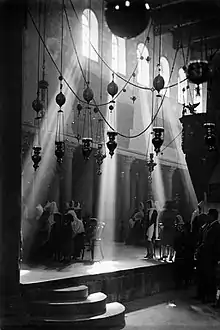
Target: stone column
[(12, 16), (169, 177), (67, 171), (127, 190)]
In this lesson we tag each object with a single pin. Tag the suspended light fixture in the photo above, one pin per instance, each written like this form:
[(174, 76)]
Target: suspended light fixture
[(151, 164), (210, 136), (79, 110), (60, 100), (86, 148), (59, 142), (126, 19), (158, 138), (100, 154), (87, 124), (158, 84), (88, 94), (111, 144), (198, 72), (112, 90)]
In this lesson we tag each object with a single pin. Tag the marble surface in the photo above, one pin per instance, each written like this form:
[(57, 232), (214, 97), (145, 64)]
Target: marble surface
[(117, 257)]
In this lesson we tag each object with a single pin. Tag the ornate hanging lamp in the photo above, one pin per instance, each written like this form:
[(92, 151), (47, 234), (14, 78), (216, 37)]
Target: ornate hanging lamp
[(79, 110), (158, 84), (100, 154), (59, 142), (111, 144), (112, 90), (210, 136), (198, 71), (87, 124), (37, 106), (60, 100), (151, 164), (158, 138)]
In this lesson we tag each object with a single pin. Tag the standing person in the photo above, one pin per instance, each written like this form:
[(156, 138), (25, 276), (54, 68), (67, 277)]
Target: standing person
[(167, 220), (151, 228), (78, 233), (208, 255)]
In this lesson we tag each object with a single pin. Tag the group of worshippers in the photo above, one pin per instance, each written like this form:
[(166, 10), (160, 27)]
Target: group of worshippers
[(50, 234), (149, 225), (205, 230)]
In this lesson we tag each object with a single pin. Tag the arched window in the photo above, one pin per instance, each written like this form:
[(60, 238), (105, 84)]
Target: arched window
[(90, 34), (118, 55), (143, 74), (182, 87), (198, 98), (165, 73)]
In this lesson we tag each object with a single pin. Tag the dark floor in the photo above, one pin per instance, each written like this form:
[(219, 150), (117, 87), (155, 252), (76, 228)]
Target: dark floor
[(173, 310)]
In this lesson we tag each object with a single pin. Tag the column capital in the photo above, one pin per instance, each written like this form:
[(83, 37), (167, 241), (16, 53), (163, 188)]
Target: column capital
[(129, 160)]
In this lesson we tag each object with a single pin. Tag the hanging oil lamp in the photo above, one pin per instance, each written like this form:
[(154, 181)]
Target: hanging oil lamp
[(198, 71), (210, 136), (37, 105), (59, 142), (112, 90), (111, 144), (86, 148), (36, 157), (158, 138), (99, 156), (43, 89), (158, 84), (151, 164), (88, 94)]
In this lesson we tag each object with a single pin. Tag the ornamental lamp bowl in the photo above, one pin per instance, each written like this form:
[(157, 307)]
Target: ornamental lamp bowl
[(198, 71)]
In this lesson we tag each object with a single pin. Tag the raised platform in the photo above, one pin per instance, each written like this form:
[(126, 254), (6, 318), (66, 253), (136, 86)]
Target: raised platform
[(123, 275)]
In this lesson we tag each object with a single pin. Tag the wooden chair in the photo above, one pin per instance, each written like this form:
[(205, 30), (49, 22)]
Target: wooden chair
[(93, 237)]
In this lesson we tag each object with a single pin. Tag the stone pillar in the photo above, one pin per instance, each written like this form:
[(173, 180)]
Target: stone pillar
[(12, 16), (127, 190), (169, 176), (67, 171)]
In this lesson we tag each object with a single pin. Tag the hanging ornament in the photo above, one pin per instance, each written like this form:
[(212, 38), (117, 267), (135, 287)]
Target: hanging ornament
[(112, 87), (43, 90), (198, 72), (86, 148), (99, 156), (79, 108), (36, 157), (59, 150), (151, 164), (158, 138), (88, 94), (60, 99), (111, 144), (133, 98), (210, 136), (127, 21), (111, 107), (158, 84), (96, 109), (37, 105)]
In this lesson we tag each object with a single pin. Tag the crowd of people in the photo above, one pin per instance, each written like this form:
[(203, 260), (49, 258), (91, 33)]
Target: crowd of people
[(193, 245), (50, 234)]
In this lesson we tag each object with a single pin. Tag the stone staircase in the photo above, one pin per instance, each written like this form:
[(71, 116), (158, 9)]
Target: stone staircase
[(73, 307)]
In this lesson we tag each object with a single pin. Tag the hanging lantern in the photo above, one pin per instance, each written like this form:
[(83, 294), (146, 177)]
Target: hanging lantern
[(59, 150), (99, 156), (150, 163), (59, 141), (158, 84), (158, 138), (79, 108), (210, 136), (126, 21), (111, 144), (86, 148), (36, 157), (112, 88), (43, 89), (37, 105), (198, 72), (60, 99), (88, 94)]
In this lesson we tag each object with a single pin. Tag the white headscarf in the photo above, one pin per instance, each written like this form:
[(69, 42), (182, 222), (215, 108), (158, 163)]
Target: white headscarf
[(77, 225), (39, 211), (52, 208)]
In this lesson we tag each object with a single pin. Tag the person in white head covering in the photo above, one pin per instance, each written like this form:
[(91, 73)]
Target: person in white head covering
[(77, 234), (151, 228)]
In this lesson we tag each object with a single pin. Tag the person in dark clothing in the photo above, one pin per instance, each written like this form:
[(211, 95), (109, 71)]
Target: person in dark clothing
[(151, 223), (208, 255), (184, 258)]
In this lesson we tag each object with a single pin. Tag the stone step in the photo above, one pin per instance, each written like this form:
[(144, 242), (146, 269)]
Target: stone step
[(114, 316), (94, 304), (73, 293)]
